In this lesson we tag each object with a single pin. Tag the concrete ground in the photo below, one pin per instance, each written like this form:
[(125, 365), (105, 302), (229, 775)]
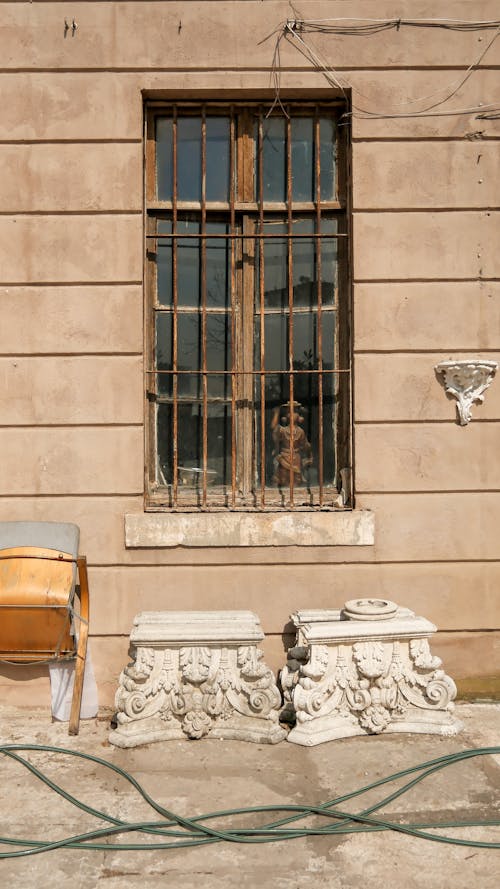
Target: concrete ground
[(194, 777)]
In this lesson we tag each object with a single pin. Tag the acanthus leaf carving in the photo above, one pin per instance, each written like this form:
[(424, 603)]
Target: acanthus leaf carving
[(373, 683), (193, 689), (195, 663), (466, 380)]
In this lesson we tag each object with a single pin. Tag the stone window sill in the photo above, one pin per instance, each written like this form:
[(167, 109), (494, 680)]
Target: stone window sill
[(343, 528)]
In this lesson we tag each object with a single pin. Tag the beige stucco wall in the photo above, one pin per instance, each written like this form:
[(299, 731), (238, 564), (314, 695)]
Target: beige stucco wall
[(426, 287)]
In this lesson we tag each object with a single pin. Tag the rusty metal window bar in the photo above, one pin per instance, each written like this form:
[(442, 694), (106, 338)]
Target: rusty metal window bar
[(248, 356)]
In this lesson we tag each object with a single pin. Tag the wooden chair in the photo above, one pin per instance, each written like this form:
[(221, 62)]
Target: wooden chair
[(39, 571)]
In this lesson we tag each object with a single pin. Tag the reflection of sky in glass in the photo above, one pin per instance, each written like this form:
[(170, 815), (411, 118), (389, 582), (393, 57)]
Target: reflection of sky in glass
[(274, 159), (303, 173), (189, 265), (189, 158), (217, 159), (303, 159)]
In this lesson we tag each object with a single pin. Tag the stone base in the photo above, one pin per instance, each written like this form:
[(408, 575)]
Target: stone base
[(332, 728), (195, 675), (149, 730), (353, 674)]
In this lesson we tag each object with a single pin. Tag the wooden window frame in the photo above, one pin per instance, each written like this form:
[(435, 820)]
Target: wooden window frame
[(244, 214)]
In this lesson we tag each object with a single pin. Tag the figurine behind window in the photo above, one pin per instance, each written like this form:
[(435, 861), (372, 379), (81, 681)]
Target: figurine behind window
[(289, 455)]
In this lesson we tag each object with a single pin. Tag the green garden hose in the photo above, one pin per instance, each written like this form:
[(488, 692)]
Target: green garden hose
[(178, 832)]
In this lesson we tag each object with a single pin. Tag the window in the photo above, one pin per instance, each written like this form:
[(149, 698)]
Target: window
[(248, 307)]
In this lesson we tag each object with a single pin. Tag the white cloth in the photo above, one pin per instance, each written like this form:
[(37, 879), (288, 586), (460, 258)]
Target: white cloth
[(62, 680)]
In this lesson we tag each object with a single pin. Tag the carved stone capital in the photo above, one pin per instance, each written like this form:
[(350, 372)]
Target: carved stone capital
[(466, 380), (368, 676), (196, 674)]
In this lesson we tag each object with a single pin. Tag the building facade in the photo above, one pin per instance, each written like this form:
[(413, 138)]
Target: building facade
[(335, 183)]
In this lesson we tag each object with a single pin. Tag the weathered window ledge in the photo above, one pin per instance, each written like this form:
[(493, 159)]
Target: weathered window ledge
[(342, 528)]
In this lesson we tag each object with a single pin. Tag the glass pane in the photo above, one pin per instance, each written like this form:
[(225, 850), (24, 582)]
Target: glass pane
[(275, 267), (164, 351), (329, 262), (190, 355), (190, 445), (164, 264), (218, 342), (164, 142), (276, 340), (217, 185), (305, 340), (302, 159), (218, 255), (305, 270), (189, 159), (188, 264), (304, 265), (304, 456), (327, 159), (306, 393), (274, 159)]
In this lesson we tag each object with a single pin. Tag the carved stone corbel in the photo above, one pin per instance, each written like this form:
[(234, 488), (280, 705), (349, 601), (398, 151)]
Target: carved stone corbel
[(466, 379)]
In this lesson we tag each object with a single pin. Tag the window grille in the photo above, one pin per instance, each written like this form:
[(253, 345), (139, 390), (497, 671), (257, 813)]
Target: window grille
[(248, 371)]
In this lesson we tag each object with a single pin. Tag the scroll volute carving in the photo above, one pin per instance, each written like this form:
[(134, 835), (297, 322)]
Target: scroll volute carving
[(466, 380)]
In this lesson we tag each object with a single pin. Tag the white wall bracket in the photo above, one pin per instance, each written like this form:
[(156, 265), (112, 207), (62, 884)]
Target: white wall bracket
[(466, 379)]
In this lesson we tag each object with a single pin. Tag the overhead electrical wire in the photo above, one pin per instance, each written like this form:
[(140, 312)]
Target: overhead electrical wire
[(178, 831), (361, 26), (293, 29)]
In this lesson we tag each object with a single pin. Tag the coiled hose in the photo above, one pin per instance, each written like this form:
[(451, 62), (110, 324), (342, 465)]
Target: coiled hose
[(179, 832)]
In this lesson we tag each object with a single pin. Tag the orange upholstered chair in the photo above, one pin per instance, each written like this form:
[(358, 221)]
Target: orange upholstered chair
[(41, 578)]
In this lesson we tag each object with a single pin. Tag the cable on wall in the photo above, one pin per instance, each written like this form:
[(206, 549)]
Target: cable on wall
[(293, 30)]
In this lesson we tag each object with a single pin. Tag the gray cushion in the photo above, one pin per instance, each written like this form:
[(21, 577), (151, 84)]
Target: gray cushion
[(62, 536)]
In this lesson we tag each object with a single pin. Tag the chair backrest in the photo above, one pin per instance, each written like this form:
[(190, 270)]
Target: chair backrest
[(37, 584), (62, 536)]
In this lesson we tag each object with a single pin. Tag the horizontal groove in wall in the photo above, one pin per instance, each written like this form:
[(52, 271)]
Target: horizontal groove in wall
[(138, 212), (68, 495), (474, 493), (236, 69), (454, 349), (429, 209), (422, 423), (70, 212), (52, 354), (23, 285), (476, 279), (278, 634), (116, 141), (14, 212), (104, 566), (82, 425), (486, 137), (410, 491), (35, 284), (450, 421)]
